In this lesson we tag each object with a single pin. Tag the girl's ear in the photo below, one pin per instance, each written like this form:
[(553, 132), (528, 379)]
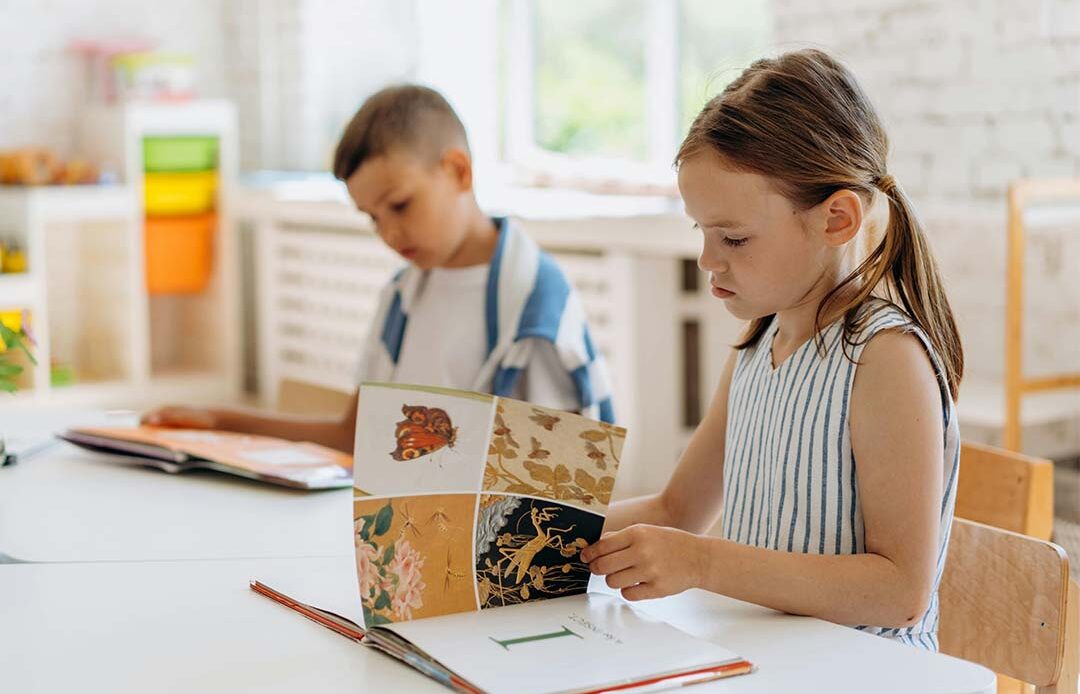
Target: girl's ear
[(842, 216), (458, 164)]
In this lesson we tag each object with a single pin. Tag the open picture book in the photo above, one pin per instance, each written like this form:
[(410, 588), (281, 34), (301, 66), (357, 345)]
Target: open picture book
[(469, 514), (263, 458)]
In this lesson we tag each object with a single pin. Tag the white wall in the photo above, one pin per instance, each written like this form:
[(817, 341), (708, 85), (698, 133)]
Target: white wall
[(42, 81), (299, 69)]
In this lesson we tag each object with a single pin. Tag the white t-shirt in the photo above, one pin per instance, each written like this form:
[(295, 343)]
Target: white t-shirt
[(445, 342)]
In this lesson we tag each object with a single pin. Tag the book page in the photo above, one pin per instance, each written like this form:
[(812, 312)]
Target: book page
[(573, 643), (467, 502)]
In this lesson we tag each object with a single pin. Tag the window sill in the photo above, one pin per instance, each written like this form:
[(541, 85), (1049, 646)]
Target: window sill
[(554, 200)]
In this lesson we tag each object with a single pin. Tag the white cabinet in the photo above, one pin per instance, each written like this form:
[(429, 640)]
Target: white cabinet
[(96, 312)]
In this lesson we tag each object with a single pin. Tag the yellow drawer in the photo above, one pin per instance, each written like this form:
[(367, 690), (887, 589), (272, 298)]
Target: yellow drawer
[(180, 193)]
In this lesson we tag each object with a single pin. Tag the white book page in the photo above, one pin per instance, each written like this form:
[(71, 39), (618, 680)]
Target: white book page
[(381, 426), (559, 645)]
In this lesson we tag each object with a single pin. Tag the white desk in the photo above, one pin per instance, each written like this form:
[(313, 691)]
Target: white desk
[(66, 504), (195, 626), (141, 620)]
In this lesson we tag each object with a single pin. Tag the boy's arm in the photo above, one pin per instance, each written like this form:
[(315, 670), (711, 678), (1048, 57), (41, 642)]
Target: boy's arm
[(692, 498), (332, 432)]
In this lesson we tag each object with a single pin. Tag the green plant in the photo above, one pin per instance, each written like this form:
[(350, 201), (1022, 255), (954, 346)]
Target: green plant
[(13, 341)]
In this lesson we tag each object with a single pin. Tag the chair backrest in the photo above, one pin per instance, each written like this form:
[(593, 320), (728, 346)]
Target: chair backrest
[(300, 397), (1006, 490), (1007, 602)]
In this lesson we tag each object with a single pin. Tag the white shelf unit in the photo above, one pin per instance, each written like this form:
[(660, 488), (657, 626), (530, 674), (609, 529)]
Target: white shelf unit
[(81, 312), (87, 286), (18, 290), (192, 340)]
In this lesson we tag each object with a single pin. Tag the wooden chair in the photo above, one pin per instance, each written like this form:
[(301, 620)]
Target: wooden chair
[(1006, 490), (1007, 603), (300, 397), (1023, 194), (1011, 491)]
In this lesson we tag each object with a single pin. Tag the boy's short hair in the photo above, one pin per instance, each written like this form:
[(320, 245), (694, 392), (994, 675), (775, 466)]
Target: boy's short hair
[(406, 115)]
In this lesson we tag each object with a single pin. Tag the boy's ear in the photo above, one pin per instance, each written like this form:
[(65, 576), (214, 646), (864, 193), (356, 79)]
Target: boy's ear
[(458, 164), (842, 216)]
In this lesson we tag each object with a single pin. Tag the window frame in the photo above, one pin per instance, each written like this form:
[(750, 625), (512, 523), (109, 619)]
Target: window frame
[(534, 165)]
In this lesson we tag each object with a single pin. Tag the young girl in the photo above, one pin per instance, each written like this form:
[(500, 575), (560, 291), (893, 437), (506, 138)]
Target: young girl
[(830, 451)]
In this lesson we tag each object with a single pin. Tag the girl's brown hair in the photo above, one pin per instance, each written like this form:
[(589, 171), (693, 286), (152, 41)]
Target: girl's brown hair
[(802, 120)]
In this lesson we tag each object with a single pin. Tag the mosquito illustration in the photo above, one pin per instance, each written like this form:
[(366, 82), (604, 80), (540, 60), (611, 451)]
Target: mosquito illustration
[(410, 522), (450, 572)]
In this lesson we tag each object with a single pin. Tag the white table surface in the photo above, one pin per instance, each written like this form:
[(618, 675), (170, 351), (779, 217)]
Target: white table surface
[(145, 588), (68, 504), (186, 626)]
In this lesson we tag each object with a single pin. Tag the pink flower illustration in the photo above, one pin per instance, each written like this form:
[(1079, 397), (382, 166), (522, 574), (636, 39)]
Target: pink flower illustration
[(367, 568), (405, 567)]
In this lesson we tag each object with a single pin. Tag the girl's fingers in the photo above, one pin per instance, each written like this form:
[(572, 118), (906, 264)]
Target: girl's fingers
[(625, 578), (642, 591), (610, 542), (612, 563)]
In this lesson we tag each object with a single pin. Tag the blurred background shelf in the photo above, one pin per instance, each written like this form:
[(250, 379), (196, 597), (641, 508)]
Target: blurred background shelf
[(128, 307)]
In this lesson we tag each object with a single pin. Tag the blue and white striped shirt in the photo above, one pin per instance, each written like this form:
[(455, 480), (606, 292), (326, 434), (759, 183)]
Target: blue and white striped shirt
[(789, 472), (528, 300)]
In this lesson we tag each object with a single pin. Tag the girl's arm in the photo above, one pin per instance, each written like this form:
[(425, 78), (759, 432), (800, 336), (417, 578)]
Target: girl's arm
[(896, 432), (691, 499)]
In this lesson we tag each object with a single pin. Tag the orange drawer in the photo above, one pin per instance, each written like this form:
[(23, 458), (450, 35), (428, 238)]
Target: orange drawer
[(179, 253)]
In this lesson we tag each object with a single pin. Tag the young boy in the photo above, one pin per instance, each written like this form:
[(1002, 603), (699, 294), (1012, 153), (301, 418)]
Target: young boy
[(478, 307)]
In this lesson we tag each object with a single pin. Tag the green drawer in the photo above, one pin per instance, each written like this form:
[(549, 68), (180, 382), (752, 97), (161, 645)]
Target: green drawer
[(163, 154)]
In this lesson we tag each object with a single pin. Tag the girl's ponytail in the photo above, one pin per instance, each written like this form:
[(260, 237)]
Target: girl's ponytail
[(902, 269)]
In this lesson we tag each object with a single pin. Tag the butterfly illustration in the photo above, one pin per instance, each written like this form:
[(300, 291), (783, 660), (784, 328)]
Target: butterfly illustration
[(424, 430)]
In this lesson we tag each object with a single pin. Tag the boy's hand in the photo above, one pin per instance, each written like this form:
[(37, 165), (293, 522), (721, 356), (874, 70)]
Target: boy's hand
[(648, 561), (181, 418)]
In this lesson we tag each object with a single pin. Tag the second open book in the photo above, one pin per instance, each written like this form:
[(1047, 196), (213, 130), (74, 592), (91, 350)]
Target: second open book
[(469, 514)]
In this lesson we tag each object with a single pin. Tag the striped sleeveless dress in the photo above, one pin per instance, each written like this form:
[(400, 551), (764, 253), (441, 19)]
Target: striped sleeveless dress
[(789, 473)]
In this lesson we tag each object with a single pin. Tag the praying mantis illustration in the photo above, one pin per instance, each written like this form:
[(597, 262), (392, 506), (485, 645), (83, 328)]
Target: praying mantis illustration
[(517, 576), (522, 557)]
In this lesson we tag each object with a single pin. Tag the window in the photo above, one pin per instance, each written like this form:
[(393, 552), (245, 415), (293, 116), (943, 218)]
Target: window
[(605, 89), (716, 41), (589, 80)]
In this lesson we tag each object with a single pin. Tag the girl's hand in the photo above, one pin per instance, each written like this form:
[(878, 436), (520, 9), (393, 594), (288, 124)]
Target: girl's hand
[(181, 418), (648, 561)]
